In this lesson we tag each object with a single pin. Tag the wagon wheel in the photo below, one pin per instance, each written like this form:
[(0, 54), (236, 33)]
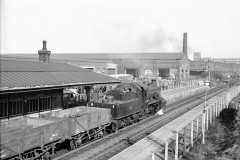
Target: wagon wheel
[(100, 134), (95, 134), (78, 142), (72, 145), (46, 156)]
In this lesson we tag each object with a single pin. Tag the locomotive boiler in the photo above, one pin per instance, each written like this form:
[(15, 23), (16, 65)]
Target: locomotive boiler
[(131, 102)]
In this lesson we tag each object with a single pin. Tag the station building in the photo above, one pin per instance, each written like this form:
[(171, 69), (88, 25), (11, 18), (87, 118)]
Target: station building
[(31, 87)]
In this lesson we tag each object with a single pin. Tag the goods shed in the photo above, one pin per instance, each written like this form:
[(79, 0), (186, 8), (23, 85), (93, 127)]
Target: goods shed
[(162, 64), (30, 87)]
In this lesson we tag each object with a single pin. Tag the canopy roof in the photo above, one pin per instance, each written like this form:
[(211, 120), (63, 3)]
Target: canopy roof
[(17, 75)]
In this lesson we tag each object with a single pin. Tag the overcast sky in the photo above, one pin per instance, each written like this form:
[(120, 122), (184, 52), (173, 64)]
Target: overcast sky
[(121, 26)]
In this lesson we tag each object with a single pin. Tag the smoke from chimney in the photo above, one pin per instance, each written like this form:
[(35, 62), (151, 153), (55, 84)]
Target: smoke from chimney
[(159, 40), (44, 54), (185, 43)]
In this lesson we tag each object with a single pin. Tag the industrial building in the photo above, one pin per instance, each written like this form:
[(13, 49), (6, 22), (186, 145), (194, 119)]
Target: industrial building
[(176, 65), (223, 66), (160, 64)]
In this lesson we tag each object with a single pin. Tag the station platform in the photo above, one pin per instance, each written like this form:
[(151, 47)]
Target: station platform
[(167, 93), (183, 92), (156, 142), (173, 140)]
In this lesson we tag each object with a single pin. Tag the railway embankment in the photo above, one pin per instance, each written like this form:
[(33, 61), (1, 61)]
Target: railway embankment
[(222, 139)]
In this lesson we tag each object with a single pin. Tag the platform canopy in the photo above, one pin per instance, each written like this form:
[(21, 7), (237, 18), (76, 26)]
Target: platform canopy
[(23, 75)]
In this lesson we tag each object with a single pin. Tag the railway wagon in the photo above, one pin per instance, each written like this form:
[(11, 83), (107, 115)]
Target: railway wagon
[(38, 137)]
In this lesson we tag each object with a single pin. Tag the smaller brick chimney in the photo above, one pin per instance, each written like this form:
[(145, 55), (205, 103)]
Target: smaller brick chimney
[(44, 54)]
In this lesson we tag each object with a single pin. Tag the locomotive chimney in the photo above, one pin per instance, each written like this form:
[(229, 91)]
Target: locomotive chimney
[(154, 81), (44, 54), (185, 43)]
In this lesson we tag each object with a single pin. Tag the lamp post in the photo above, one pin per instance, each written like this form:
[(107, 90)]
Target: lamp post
[(209, 70), (205, 101), (228, 80), (203, 117)]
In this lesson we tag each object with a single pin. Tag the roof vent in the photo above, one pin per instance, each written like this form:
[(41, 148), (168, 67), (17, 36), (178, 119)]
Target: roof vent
[(44, 54)]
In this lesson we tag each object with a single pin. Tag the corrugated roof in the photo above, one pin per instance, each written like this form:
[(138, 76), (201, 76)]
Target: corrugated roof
[(30, 66), (23, 75)]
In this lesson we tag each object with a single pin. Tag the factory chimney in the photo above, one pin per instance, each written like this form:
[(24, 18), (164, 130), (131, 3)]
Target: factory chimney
[(185, 43), (44, 54)]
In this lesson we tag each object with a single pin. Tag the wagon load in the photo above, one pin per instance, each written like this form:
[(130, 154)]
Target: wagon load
[(35, 132), (32, 137), (83, 118)]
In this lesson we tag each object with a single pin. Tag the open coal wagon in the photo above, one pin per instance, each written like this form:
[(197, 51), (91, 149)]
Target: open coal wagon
[(40, 137)]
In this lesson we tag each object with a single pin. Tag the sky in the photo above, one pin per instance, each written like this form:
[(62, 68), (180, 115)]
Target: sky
[(121, 26)]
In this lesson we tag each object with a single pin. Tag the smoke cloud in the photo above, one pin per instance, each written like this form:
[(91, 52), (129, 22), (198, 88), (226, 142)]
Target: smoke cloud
[(160, 41)]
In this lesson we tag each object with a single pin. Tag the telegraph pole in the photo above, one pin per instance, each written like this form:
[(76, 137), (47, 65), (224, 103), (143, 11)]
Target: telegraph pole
[(209, 70)]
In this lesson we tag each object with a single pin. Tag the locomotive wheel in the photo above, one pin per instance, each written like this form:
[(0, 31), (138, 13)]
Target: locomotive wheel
[(147, 112), (123, 123), (114, 128), (136, 118), (128, 121)]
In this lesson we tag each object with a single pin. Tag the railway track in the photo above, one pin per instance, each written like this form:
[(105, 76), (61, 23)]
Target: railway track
[(112, 144)]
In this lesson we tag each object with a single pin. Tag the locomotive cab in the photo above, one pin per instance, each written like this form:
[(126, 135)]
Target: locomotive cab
[(124, 100)]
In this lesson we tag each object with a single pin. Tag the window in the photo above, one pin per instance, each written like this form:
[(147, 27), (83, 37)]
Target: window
[(44, 103), (32, 105), (3, 109), (15, 107), (56, 101)]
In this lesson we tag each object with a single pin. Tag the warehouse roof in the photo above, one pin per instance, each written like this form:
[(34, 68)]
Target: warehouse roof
[(105, 56), (28, 75), (100, 56)]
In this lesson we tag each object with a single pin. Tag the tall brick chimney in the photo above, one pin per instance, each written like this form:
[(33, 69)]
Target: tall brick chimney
[(185, 43), (44, 54)]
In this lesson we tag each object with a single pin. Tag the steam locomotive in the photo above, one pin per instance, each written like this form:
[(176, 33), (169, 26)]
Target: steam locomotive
[(131, 102), (43, 136)]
